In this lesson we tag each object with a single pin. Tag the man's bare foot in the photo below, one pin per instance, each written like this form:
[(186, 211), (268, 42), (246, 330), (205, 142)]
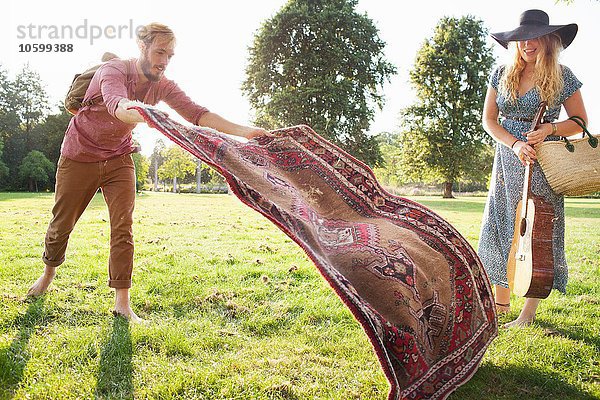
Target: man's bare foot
[(128, 314), (41, 285), (123, 307), (519, 322)]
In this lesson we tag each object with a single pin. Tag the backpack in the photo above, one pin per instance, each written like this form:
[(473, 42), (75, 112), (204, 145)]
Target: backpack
[(81, 82)]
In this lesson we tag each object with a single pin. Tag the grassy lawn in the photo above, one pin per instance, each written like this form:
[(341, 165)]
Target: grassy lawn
[(234, 310)]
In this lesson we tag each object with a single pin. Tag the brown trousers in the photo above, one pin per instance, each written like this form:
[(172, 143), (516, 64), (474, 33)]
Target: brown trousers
[(76, 185)]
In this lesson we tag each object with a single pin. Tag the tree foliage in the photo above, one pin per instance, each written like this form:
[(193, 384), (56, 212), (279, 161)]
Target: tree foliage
[(23, 117), (320, 63), (156, 160), (207, 175), (36, 168), (390, 174), (442, 139), (9, 120), (178, 163), (3, 167), (33, 100), (142, 167), (47, 135)]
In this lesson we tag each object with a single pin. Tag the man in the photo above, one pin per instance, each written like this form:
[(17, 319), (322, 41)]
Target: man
[(96, 153)]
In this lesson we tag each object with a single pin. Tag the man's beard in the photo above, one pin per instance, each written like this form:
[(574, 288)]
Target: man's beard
[(146, 67)]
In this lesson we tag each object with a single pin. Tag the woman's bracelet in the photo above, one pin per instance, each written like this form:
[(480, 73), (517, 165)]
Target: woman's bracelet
[(554, 128), (515, 142)]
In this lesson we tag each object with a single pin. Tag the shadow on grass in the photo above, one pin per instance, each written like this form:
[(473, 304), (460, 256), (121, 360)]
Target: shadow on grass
[(517, 382), (15, 357), (572, 332), (115, 374)]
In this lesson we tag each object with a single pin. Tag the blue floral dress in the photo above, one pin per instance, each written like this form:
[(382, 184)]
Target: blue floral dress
[(506, 187)]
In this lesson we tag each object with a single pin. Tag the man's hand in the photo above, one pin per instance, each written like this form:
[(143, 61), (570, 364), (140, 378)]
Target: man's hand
[(129, 116), (254, 132), (215, 121)]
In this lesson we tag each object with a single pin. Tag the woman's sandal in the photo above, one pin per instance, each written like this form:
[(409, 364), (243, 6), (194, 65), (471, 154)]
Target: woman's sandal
[(502, 308)]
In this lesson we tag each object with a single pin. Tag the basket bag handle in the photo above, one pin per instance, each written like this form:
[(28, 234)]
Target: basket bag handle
[(592, 140)]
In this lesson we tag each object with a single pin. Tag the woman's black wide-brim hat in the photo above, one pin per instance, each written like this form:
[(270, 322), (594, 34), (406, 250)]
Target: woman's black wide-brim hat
[(533, 24)]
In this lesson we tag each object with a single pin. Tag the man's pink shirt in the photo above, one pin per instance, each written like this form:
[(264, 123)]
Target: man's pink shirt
[(96, 134)]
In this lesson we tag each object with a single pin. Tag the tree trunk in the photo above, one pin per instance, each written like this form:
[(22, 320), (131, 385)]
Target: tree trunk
[(155, 174), (448, 190), (198, 176), (175, 184)]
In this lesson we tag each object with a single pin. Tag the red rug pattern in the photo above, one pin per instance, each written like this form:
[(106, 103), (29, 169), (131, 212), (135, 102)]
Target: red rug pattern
[(412, 281)]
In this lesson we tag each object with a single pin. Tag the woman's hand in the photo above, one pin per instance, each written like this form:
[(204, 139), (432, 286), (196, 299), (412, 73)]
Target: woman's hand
[(525, 152), (539, 134)]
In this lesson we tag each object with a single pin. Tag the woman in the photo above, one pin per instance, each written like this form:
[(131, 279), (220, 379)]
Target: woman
[(514, 94)]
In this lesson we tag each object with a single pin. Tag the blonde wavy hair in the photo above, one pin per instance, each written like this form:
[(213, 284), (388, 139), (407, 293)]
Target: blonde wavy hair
[(147, 33), (547, 74)]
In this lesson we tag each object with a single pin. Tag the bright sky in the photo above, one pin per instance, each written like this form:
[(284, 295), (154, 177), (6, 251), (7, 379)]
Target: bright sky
[(213, 39)]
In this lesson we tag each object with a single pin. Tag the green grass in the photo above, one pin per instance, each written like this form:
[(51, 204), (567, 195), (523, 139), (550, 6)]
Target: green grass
[(235, 310)]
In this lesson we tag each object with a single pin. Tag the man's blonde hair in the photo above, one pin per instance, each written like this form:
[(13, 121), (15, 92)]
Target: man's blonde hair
[(146, 34), (547, 75)]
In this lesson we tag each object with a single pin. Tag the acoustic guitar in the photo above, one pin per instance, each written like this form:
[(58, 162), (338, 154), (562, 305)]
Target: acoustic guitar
[(530, 266)]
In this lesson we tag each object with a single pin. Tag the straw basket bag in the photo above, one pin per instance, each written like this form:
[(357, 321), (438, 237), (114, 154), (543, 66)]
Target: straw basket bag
[(571, 168)]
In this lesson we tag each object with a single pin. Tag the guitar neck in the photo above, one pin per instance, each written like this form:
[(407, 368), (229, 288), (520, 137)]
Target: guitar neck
[(529, 166), (526, 190)]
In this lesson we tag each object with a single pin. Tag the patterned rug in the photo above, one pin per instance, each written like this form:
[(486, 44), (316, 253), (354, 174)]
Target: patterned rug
[(412, 281)]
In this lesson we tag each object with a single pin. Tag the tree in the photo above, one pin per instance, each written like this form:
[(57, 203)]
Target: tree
[(3, 167), (320, 63), (390, 173), (9, 121), (198, 174), (442, 139), (156, 160), (48, 135), (33, 100), (36, 168), (142, 166), (178, 163), (207, 175), (23, 105)]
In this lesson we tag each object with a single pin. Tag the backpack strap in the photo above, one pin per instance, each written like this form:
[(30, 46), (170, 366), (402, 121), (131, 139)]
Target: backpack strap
[(128, 78)]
